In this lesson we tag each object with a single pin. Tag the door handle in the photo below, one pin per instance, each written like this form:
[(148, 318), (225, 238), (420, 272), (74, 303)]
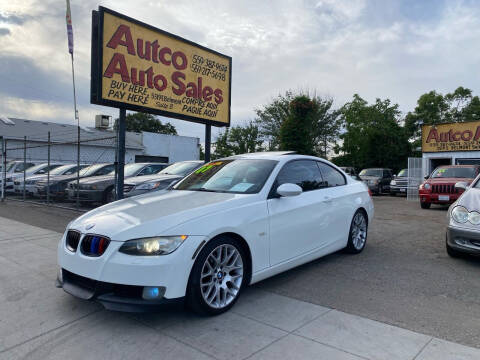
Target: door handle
[(327, 199)]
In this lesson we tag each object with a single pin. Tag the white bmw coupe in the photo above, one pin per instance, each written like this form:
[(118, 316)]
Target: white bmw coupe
[(230, 223)]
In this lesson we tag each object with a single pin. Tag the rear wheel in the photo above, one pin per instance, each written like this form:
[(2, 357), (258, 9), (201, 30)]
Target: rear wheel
[(425, 205), (218, 277), (357, 237)]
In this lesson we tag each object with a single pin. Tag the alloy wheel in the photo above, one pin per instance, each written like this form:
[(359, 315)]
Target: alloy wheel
[(222, 275), (359, 231)]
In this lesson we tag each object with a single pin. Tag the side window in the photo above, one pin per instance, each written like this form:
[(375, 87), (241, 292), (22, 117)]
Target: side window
[(304, 173), (331, 177), (386, 173), (157, 168), (147, 170)]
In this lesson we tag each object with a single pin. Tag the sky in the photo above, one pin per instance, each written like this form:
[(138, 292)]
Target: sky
[(334, 48)]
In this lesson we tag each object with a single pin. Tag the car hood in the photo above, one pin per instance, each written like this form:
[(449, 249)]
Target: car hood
[(470, 199), (155, 213), (146, 178)]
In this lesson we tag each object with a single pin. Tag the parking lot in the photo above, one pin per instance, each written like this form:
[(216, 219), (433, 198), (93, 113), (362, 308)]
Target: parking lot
[(403, 278)]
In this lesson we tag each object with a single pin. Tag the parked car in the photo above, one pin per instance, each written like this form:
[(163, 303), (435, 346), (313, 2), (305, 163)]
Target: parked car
[(12, 170), (58, 184), (401, 183), (463, 230), (100, 188), (233, 222), (34, 170), (162, 180), (377, 179), (348, 170), (439, 187), (37, 170), (31, 181)]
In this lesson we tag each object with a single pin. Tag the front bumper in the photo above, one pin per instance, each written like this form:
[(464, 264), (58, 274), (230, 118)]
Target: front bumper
[(435, 198), (86, 195), (464, 240), (120, 270), (112, 296)]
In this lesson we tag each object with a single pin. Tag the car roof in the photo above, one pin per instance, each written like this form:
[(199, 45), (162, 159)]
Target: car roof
[(457, 166), (269, 155)]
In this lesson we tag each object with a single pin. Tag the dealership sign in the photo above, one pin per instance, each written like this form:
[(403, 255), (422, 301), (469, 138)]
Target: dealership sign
[(138, 67), (451, 137)]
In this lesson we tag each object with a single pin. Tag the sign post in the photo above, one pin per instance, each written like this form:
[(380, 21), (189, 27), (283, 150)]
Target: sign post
[(138, 67), (121, 153)]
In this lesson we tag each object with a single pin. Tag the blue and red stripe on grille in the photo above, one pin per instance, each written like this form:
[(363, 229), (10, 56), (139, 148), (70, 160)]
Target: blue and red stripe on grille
[(94, 245)]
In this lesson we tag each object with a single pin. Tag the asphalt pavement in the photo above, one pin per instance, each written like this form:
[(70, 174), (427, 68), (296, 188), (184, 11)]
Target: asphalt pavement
[(403, 277)]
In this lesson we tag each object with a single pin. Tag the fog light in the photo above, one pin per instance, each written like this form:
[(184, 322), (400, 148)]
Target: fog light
[(153, 292)]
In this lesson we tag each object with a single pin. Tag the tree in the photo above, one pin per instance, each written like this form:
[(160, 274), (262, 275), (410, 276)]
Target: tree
[(372, 135), (138, 122), (324, 131), (270, 118), (238, 140), (297, 129), (434, 108)]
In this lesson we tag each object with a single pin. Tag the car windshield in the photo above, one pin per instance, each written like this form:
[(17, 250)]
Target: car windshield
[(229, 176), (61, 169), (129, 169), (34, 169), (10, 165), (180, 168), (454, 172), (371, 172), (403, 173), (89, 170)]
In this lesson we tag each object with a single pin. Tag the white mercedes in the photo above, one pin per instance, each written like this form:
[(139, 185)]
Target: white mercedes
[(230, 223)]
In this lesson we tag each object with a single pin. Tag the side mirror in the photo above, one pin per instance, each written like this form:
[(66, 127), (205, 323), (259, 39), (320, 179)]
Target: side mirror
[(286, 190), (426, 177), (461, 185)]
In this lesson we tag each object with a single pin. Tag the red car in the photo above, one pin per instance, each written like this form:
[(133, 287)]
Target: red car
[(439, 187)]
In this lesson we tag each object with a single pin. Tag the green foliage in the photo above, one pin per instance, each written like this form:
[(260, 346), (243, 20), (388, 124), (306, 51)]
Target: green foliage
[(434, 108), (372, 135), (324, 129), (297, 129), (270, 118), (237, 140), (138, 122)]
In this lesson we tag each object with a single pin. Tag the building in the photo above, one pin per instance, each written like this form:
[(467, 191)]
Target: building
[(450, 144), (97, 144)]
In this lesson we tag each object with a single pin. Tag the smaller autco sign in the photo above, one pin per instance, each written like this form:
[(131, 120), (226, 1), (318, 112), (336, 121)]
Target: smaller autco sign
[(138, 67)]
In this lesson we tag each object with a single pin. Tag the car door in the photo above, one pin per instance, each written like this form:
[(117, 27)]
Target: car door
[(340, 203), (387, 177), (297, 223)]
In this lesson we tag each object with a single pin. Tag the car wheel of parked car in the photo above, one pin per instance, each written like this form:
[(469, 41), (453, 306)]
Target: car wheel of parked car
[(109, 195), (218, 277), (357, 237), (425, 205)]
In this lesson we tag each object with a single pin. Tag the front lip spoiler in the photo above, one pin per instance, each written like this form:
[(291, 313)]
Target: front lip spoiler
[(110, 301)]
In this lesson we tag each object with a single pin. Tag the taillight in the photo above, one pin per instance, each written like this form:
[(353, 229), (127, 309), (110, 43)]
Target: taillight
[(370, 192)]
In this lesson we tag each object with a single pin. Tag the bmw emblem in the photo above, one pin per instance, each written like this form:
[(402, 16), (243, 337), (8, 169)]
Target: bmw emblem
[(89, 226)]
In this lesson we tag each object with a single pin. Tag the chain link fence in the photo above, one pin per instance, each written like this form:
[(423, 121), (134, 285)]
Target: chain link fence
[(47, 169)]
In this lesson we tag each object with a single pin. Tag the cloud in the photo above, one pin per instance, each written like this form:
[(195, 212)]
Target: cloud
[(388, 49), (4, 31)]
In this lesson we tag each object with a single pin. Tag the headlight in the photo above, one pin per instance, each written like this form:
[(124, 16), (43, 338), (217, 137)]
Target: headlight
[(159, 245), (426, 186), (148, 186), (474, 218), (460, 214), (393, 182)]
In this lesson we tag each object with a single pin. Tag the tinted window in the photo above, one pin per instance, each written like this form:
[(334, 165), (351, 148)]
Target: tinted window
[(304, 173), (386, 173), (105, 170), (331, 176)]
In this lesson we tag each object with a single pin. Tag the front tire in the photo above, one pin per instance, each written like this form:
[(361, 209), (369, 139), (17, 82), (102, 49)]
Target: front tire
[(357, 238), (425, 205), (217, 277)]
